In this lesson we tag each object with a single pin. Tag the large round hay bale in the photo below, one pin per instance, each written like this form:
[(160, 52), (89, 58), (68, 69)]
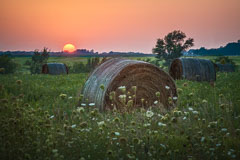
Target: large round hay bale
[(54, 68), (118, 72), (224, 67), (193, 69)]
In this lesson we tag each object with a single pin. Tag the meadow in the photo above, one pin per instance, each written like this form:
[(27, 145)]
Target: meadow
[(41, 118)]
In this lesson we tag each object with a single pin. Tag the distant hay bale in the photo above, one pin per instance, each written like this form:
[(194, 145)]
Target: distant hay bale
[(193, 69), (54, 68), (117, 72), (224, 67)]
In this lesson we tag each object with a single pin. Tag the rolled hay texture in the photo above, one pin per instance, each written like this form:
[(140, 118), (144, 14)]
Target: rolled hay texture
[(102, 86), (193, 69), (224, 67), (54, 68)]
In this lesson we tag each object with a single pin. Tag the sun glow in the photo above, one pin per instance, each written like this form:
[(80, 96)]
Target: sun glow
[(69, 48)]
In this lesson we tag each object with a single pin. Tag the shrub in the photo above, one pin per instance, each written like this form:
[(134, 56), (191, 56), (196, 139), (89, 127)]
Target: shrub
[(27, 63), (224, 60), (38, 59), (7, 65), (79, 67)]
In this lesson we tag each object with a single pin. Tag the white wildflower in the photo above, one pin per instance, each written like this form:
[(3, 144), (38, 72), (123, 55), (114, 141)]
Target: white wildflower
[(149, 114), (175, 98), (190, 109), (195, 112), (161, 124), (224, 129), (117, 133), (83, 104), (167, 87), (52, 117), (100, 124), (54, 150), (122, 87), (74, 126), (218, 145), (162, 145), (80, 109), (147, 124), (155, 102), (91, 104), (122, 96)]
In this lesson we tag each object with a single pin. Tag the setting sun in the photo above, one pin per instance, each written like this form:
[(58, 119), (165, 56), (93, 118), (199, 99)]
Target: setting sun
[(69, 48)]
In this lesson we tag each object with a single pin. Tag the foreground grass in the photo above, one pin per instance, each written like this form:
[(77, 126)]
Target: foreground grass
[(40, 119)]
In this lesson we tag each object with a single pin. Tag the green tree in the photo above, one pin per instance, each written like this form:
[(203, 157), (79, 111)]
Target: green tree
[(38, 59), (172, 46), (7, 65), (224, 60)]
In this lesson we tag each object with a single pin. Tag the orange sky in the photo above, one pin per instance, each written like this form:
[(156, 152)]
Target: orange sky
[(117, 25)]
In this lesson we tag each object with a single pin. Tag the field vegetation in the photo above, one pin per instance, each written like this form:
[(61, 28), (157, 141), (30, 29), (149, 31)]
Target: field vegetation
[(42, 117)]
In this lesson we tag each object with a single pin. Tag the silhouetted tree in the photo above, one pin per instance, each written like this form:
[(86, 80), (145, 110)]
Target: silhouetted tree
[(38, 59), (172, 46), (7, 65)]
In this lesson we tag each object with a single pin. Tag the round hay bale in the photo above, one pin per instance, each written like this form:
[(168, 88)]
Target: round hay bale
[(102, 86), (224, 67), (54, 68), (193, 69)]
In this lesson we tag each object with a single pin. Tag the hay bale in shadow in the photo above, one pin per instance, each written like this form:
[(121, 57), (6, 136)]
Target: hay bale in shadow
[(54, 68), (117, 72), (193, 69), (224, 67)]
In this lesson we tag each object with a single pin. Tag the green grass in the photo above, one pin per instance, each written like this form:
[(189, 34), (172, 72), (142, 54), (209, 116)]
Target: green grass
[(67, 60), (40, 118), (44, 90)]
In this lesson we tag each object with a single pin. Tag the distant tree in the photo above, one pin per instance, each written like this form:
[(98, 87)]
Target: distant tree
[(38, 59), (172, 46), (7, 65), (224, 60)]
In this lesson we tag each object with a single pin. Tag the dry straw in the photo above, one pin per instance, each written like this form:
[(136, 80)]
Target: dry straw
[(193, 69), (114, 73)]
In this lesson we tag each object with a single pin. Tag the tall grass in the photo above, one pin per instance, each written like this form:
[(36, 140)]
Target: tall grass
[(40, 119)]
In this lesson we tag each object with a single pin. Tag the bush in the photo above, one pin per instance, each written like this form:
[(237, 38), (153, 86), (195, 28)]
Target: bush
[(7, 65), (79, 67), (27, 63), (224, 60), (38, 59)]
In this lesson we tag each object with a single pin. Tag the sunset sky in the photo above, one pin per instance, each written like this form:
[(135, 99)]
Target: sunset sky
[(115, 25)]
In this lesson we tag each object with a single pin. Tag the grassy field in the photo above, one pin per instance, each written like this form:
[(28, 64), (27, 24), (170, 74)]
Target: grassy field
[(69, 61), (40, 118)]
